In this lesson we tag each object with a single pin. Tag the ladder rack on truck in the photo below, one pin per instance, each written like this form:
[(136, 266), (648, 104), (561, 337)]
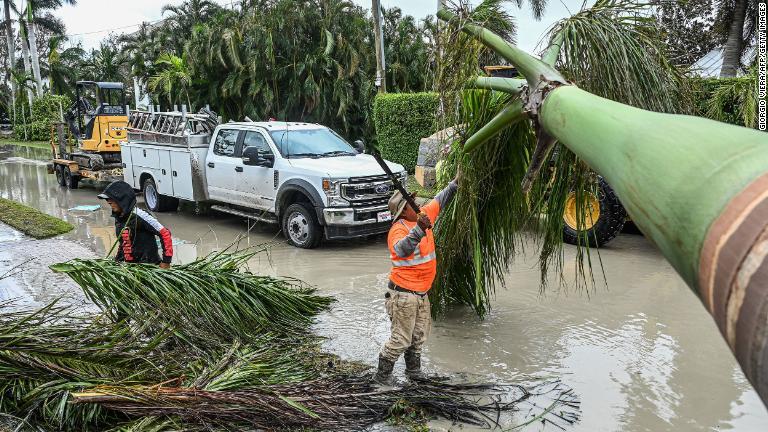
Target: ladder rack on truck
[(171, 127), (165, 155)]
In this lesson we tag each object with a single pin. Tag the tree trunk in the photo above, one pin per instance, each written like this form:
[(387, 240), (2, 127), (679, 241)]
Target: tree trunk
[(11, 52), (33, 52), (381, 74), (136, 92), (25, 57), (698, 189), (733, 45)]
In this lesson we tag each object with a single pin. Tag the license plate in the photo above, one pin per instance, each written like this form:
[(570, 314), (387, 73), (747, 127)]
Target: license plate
[(384, 216)]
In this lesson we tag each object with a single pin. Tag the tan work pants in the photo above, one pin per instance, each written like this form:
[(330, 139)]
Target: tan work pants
[(411, 323)]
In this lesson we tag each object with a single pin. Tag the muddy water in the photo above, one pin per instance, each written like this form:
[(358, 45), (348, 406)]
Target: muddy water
[(642, 354)]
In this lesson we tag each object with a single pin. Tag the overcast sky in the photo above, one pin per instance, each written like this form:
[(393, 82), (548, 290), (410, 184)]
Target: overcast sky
[(92, 20)]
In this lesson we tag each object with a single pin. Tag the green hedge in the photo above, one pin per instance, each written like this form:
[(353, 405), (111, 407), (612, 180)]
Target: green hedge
[(35, 131), (45, 110), (401, 121)]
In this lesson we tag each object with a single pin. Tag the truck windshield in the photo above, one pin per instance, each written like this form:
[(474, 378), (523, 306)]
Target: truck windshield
[(311, 143)]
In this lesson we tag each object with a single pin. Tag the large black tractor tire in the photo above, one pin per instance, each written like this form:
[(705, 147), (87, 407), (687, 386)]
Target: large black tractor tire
[(601, 225), (155, 201), (300, 226), (70, 180), (59, 171)]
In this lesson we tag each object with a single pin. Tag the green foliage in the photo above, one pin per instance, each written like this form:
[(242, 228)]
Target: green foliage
[(45, 110), (402, 120), (477, 233), (34, 131), (31, 221), (49, 107), (305, 60), (172, 78), (614, 51), (729, 100)]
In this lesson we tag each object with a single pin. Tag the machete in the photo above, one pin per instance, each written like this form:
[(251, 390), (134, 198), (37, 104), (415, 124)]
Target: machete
[(398, 185)]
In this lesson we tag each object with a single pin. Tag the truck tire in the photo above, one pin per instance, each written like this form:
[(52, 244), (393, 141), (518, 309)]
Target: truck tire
[(155, 201), (59, 171), (604, 220), (70, 180), (300, 226)]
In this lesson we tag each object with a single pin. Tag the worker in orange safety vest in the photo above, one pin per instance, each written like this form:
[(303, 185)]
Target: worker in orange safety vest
[(414, 266)]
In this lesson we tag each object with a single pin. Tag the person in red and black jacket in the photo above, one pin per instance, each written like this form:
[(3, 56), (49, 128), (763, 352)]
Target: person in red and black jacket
[(136, 229)]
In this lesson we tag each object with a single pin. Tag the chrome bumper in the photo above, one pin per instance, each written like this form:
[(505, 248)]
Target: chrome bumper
[(345, 216)]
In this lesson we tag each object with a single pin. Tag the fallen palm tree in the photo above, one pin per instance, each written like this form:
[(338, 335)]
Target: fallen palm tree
[(695, 187), (209, 346)]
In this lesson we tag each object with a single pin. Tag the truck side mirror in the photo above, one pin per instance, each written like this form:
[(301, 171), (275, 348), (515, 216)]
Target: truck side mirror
[(359, 146), (253, 157)]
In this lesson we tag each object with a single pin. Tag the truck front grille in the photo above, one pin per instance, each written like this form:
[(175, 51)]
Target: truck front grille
[(365, 189)]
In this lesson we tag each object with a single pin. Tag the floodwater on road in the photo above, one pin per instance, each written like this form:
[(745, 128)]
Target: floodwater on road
[(641, 352)]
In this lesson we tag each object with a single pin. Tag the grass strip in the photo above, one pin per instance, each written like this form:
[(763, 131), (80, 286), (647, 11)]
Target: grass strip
[(31, 221)]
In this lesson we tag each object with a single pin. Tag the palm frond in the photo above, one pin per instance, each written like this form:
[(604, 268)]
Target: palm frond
[(211, 294)]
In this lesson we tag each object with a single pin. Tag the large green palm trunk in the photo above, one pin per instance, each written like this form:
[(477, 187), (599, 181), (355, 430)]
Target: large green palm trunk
[(699, 190)]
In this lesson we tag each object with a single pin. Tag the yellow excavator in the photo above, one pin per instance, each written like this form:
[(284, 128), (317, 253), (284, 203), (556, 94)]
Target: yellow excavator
[(96, 124)]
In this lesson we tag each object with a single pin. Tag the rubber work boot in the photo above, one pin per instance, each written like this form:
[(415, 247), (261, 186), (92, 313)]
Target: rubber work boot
[(384, 373), (413, 365)]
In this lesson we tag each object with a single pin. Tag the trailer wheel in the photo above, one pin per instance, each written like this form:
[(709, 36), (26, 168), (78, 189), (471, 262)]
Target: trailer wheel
[(157, 202), (59, 171), (70, 180), (300, 226), (604, 218)]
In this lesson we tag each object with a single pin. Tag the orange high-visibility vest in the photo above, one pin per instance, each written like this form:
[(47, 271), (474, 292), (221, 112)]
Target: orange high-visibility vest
[(418, 271)]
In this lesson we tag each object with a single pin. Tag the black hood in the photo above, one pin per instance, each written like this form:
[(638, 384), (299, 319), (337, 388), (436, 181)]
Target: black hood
[(122, 193)]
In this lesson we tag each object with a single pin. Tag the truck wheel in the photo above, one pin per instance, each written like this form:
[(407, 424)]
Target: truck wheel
[(604, 218), (300, 226), (70, 180), (157, 202), (59, 171)]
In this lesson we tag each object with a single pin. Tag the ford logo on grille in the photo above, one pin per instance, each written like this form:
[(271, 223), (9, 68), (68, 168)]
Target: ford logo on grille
[(381, 188)]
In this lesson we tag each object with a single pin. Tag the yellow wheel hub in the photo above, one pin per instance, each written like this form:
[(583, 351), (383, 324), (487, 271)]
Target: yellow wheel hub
[(590, 214)]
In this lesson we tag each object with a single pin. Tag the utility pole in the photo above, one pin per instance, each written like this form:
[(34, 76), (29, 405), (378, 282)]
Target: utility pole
[(381, 67)]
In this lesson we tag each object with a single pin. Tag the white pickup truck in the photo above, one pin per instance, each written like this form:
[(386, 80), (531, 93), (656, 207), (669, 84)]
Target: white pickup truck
[(303, 176)]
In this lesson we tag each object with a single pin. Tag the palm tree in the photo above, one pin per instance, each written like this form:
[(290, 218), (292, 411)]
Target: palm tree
[(25, 56), (185, 16), (733, 49), (63, 65), (192, 12), (33, 6), (9, 40), (22, 81), (137, 51), (692, 185), (173, 75), (104, 63)]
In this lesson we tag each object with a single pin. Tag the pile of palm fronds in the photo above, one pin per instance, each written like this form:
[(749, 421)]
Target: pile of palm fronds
[(212, 294), (613, 50), (205, 346)]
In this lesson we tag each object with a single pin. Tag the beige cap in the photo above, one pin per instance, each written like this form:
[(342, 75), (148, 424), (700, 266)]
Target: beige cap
[(397, 204)]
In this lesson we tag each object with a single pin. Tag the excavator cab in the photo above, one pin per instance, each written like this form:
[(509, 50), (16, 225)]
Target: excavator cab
[(98, 118)]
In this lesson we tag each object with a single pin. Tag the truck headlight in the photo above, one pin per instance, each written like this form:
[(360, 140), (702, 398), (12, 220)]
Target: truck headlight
[(402, 176), (332, 189)]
